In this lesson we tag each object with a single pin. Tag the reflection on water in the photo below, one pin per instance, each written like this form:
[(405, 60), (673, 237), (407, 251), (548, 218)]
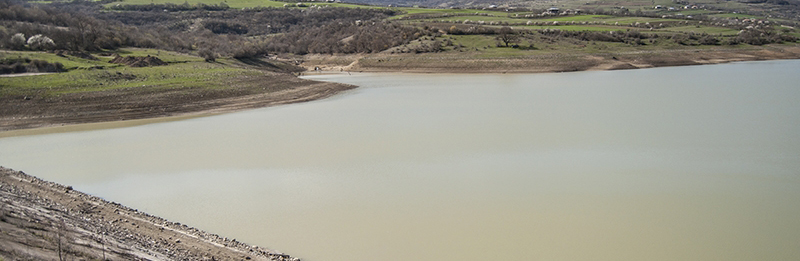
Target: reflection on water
[(687, 163)]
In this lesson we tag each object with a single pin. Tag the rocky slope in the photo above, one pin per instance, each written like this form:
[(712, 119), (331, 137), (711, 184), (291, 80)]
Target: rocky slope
[(41, 220)]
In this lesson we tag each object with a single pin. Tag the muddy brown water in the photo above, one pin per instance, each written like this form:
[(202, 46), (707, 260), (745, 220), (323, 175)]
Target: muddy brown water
[(683, 163)]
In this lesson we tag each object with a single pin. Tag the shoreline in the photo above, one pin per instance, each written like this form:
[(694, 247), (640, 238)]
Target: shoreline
[(41, 115), (44, 220), (36, 214), (130, 107), (545, 63)]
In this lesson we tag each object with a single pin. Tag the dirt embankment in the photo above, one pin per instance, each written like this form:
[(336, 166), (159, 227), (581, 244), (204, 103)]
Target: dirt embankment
[(554, 62), (42, 220), (23, 112)]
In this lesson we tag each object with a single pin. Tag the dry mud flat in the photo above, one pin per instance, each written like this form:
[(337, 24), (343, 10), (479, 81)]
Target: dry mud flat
[(41, 220)]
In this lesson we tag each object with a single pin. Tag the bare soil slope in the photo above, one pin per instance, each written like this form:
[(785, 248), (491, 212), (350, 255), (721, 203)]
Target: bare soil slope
[(42, 220), (22, 112)]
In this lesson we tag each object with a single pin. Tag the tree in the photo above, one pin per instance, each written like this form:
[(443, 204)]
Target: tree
[(41, 42), (18, 41), (208, 55), (507, 35)]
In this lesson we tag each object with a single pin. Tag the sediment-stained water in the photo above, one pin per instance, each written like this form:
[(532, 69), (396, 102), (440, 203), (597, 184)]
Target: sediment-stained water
[(683, 163)]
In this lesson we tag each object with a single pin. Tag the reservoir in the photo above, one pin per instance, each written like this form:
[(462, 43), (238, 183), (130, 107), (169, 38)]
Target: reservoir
[(679, 163)]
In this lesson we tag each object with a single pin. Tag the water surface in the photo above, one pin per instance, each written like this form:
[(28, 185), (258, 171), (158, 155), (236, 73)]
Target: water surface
[(683, 163)]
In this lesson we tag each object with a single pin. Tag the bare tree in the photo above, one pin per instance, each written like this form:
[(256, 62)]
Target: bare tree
[(507, 35)]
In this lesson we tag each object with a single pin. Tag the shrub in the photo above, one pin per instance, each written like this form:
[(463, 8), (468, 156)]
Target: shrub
[(17, 41), (23, 65), (208, 55), (709, 40), (41, 42), (221, 27)]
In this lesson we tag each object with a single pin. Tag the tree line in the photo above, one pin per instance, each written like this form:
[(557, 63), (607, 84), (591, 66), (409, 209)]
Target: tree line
[(214, 30)]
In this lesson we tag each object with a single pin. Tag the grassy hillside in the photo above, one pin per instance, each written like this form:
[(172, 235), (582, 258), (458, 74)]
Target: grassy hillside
[(87, 75), (183, 72)]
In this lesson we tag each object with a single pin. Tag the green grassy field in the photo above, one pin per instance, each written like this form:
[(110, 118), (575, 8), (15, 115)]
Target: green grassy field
[(696, 12), (184, 71), (413, 10), (633, 20), (740, 16), (703, 29), (579, 18)]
